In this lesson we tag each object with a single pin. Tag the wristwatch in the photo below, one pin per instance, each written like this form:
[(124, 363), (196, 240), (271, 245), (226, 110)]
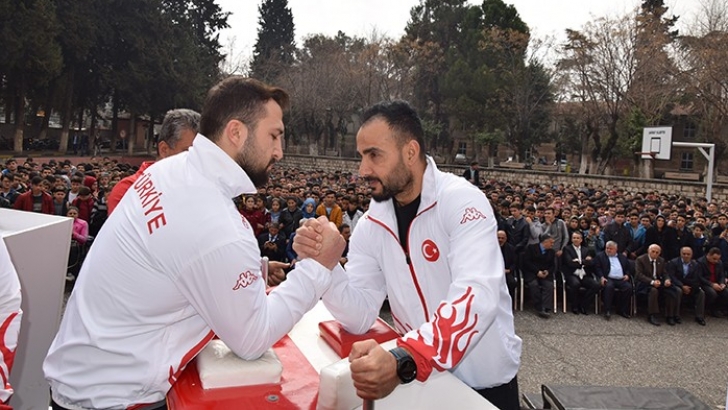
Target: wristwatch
[(406, 366)]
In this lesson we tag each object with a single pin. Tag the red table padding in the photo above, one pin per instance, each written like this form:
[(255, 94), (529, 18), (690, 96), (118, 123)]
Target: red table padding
[(298, 388), (341, 341)]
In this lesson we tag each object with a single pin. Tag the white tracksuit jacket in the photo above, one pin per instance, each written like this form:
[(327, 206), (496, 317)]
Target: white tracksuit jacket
[(10, 315), (450, 301), (174, 263)]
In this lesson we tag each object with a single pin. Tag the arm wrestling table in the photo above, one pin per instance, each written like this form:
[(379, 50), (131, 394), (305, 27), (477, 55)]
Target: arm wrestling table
[(304, 355)]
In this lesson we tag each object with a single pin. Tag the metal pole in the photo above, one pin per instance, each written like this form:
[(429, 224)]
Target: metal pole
[(710, 156), (368, 405)]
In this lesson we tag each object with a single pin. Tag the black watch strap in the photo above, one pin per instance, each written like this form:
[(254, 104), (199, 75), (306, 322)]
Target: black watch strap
[(406, 366)]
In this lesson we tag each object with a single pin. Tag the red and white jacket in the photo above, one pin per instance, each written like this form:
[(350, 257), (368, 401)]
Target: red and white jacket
[(174, 264), (447, 292), (10, 314)]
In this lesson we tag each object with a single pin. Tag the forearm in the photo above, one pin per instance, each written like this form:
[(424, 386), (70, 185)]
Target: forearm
[(354, 302)]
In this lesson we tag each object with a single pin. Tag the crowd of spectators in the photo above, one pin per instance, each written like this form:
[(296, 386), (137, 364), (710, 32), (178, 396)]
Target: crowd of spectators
[(590, 239)]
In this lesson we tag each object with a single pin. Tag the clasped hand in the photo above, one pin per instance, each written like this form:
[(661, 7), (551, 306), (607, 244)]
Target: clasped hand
[(320, 240)]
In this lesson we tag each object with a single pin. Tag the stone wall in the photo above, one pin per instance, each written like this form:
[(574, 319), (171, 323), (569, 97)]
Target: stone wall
[(527, 177)]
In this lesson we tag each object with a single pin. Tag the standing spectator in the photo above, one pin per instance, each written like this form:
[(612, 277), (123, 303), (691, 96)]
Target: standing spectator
[(178, 131), (556, 228), (664, 236), (84, 203), (519, 230), (6, 188), (290, 217), (59, 202), (637, 230), (35, 200), (472, 174), (616, 232), (699, 241), (330, 209), (255, 216), (308, 209), (79, 236), (272, 243), (352, 213)]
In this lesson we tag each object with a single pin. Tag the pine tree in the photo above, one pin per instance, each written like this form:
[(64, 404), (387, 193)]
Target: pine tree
[(275, 47)]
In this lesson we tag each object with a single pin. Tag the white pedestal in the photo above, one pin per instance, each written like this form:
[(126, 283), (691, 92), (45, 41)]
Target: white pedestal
[(38, 245)]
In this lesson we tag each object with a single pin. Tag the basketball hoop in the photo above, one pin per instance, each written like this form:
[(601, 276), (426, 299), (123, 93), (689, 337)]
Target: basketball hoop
[(647, 154)]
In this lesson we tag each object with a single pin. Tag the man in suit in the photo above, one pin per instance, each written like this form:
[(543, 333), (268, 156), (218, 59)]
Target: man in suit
[(539, 263), (509, 260), (712, 281), (618, 233), (472, 174), (651, 281), (684, 272), (519, 228), (613, 272), (576, 265)]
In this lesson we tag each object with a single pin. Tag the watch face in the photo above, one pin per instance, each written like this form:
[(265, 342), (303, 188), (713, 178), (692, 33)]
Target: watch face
[(407, 370)]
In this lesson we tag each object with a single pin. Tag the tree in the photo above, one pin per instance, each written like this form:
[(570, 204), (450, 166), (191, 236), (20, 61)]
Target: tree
[(275, 47), (30, 56), (599, 69)]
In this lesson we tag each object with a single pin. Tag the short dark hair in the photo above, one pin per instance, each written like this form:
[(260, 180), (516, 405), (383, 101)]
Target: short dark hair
[(239, 98), (401, 118), (36, 180)]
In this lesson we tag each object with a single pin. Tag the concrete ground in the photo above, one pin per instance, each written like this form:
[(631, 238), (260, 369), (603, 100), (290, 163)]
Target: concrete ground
[(567, 349)]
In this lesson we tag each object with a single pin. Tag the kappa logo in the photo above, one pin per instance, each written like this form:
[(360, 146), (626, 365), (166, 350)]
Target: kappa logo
[(244, 280), (430, 251), (471, 214)]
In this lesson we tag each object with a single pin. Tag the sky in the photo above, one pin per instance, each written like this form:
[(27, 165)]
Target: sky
[(389, 17)]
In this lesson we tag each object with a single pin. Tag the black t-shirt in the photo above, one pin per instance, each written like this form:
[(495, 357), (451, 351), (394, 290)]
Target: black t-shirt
[(38, 203), (405, 214)]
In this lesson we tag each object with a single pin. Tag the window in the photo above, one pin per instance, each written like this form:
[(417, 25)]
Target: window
[(689, 131), (462, 148), (686, 161)]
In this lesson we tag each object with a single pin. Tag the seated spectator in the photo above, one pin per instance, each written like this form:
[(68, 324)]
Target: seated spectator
[(684, 272), (539, 264), (35, 200), (510, 262), (576, 265), (652, 280), (712, 281), (613, 271)]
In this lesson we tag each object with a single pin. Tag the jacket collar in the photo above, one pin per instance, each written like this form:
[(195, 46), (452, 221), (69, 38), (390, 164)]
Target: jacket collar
[(212, 162), (384, 211)]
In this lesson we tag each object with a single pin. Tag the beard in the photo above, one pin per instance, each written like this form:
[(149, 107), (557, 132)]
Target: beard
[(249, 160), (400, 178)]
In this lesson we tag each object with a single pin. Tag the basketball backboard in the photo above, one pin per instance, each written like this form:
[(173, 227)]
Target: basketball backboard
[(657, 140)]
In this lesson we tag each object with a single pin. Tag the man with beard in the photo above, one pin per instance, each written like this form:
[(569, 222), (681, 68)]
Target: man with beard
[(176, 265), (417, 244)]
